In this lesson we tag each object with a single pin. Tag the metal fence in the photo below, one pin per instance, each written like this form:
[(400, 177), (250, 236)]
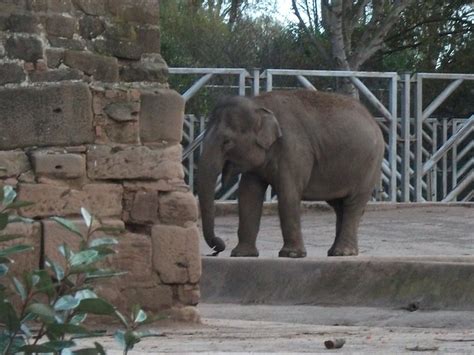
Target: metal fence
[(427, 158)]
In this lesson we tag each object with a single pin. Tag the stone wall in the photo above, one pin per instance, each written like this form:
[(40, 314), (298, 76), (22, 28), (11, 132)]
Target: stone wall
[(87, 120)]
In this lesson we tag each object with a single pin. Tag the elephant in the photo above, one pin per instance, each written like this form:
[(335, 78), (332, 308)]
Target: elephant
[(307, 145)]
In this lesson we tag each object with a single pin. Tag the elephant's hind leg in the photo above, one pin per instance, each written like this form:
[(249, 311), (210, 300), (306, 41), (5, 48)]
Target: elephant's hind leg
[(349, 213), (251, 195)]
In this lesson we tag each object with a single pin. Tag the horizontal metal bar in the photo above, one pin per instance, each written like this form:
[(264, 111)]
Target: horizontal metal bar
[(466, 150), (232, 71), (449, 76), (465, 130), (459, 188), (329, 73), (196, 86)]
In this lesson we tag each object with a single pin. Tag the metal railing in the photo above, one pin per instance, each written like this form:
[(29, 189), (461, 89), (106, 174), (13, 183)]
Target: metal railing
[(422, 161)]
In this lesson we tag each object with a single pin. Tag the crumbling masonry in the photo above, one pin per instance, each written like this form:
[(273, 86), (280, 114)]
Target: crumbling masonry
[(87, 120)]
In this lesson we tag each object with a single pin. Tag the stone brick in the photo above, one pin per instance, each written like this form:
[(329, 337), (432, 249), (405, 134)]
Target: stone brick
[(61, 166), (11, 73), (91, 26), (23, 22), (56, 75), (50, 5), (123, 49), (144, 207), (149, 37), (161, 116), (150, 68), (134, 162), (176, 256), (14, 162), (54, 57), (141, 11), (60, 25), (100, 67), (92, 7), (123, 132), (31, 235), (189, 294), (103, 200), (55, 235), (123, 111), (177, 208), (67, 43), (50, 115), (27, 48)]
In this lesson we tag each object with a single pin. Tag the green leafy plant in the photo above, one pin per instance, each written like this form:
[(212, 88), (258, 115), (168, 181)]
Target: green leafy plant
[(54, 302)]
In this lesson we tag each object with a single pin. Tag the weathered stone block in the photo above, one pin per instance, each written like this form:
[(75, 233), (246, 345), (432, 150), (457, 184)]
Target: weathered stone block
[(50, 5), (141, 11), (14, 163), (11, 73), (91, 26), (161, 116), (60, 25), (103, 200), (189, 294), (30, 235), (149, 37), (54, 57), (56, 75), (67, 43), (123, 111), (60, 166), (134, 162), (123, 132), (144, 207), (123, 49), (92, 7), (176, 254), (178, 208), (23, 23), (150, 68), (27, 48), (100, 67), (50, 115)]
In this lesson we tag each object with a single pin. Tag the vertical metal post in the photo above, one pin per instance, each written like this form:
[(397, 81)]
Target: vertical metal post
[(405, 114), (454, 160), (191, 157), (256, 82), (393, 138), (269, 85), (434, 171), (445, 160), (242, 83), (419, 139)]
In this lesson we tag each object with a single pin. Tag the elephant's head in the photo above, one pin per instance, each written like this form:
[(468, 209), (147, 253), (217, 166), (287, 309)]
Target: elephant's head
[(237, 140)]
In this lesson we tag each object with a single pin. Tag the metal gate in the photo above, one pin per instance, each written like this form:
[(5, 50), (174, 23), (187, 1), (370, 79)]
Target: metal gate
[(427, 158)]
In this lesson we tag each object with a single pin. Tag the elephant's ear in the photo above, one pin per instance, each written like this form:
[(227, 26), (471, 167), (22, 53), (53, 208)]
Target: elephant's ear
[(268, 128)]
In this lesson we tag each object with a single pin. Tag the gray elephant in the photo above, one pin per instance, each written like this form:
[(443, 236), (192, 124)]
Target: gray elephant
[(307, 145)]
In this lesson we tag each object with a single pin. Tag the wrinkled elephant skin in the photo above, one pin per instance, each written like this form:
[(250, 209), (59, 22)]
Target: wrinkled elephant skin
[(307, 145)]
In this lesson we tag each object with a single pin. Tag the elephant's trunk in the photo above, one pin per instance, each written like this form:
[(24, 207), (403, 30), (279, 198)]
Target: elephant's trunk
[(211, 163)]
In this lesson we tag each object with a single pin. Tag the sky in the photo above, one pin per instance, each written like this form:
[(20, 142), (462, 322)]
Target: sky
[(285, 13)]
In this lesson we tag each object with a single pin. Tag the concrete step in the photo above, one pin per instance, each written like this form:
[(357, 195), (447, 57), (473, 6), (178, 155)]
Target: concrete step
[(427, 283)]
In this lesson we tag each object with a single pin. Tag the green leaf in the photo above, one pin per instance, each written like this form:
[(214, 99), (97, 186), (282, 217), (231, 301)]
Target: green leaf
[(14, 218), (44, 283), (100, 348), (119, 337), (66, 303), (8, 237), (3, 220), (15, 250), (5, 339), (65, 251), (86, 351), (8, 317), (58, 270), (95, 306), (68, 225), (9, 195), (85, 257), (85, 294), (20, 289), (140, 316), (78, 318), (59, 329), (50, 346), (43, 311), (103, 250), (121, 318), (103, 273), (131, 338), (86, 216), (18, 204), (3, 269), (103, 241)]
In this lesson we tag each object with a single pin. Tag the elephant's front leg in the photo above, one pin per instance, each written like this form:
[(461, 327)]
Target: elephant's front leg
[(251, 195), (289, 201)]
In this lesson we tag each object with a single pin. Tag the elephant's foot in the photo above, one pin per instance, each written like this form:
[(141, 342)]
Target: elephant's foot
[(244, 250), (292, 252), (341, 250)]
